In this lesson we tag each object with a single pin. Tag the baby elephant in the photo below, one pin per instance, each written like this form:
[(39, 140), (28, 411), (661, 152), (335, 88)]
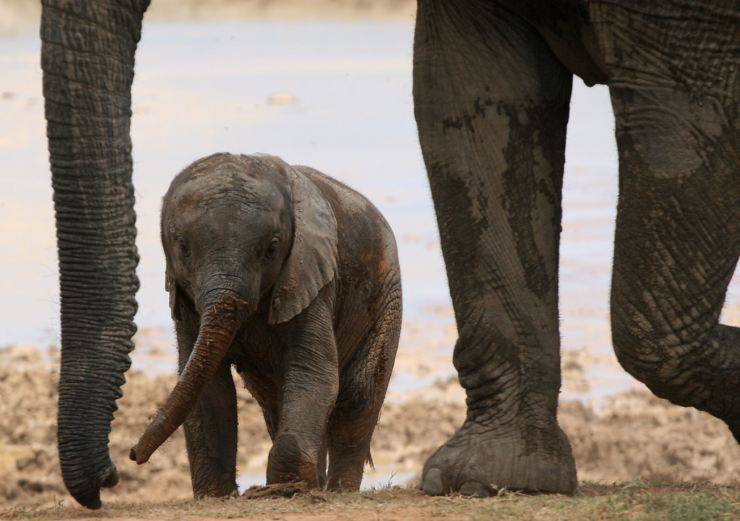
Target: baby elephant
[(292, 278)]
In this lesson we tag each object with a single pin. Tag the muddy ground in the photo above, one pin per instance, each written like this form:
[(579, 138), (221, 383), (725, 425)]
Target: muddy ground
[(625, 437)]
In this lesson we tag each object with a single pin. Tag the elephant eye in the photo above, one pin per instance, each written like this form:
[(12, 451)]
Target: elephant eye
[(272, 247), (185, 249)]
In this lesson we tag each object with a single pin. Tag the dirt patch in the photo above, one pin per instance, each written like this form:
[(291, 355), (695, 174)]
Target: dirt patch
[(628, 436), (633, 500)]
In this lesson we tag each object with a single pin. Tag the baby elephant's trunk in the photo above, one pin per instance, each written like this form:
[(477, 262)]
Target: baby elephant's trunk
[(219, 323)]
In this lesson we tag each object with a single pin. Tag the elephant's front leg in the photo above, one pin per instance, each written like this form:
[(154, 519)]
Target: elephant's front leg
[(211, 429), (491, 104), (309, 393)]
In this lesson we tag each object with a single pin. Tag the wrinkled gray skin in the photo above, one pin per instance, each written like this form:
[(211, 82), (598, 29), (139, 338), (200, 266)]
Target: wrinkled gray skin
[(492, 85), (292, 278)]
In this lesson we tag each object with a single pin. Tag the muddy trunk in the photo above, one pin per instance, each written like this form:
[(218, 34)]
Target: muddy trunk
[(219, 325)]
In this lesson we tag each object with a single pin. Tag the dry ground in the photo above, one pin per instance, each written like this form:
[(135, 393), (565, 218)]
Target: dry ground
[(633, 501), (629, 436)]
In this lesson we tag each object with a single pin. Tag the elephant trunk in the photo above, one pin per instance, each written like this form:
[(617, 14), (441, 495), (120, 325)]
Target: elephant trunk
[(218, 326), (87, 57)]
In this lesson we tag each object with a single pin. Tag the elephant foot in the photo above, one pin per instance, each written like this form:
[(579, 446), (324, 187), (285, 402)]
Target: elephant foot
[(478, 461), (290, 461), (275, 490)]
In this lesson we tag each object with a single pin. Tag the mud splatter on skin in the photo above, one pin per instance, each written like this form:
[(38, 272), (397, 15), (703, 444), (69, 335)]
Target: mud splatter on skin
[(535, 155), (501, 265), (466, 120)]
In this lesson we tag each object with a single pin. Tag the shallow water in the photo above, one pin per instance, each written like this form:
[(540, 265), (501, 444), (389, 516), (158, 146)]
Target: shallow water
[(336, 96)]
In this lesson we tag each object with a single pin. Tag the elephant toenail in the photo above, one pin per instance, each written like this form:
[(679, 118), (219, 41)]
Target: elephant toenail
[(431, 484), (475, 489)]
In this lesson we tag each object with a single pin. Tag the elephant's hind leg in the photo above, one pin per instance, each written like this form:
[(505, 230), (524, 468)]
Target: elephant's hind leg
[(491, 104), (362, 390), (678, 224)]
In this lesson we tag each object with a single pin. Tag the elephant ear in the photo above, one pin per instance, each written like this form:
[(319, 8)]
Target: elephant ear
[(312, 261), (171, 288)]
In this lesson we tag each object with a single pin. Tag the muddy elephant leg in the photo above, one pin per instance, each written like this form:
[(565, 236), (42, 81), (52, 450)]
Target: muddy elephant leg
[(677, 246), (492, 104), (674, 83), (211, 429), (362, 392), (349, 448), (309, 393)]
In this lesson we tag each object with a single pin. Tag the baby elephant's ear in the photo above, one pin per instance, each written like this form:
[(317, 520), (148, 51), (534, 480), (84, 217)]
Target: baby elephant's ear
[(312, 261), (171, 288)]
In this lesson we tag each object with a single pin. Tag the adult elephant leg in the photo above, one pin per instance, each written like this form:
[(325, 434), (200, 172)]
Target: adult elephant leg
[(491, 105), (674, 81), (677, 244), (87, 56)]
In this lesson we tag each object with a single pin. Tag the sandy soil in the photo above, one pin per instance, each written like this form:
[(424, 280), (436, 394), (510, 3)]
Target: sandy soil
[(624, 437), (633, 500)]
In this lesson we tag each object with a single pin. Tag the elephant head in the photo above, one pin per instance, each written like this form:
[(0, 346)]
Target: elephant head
[(241, 234)]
